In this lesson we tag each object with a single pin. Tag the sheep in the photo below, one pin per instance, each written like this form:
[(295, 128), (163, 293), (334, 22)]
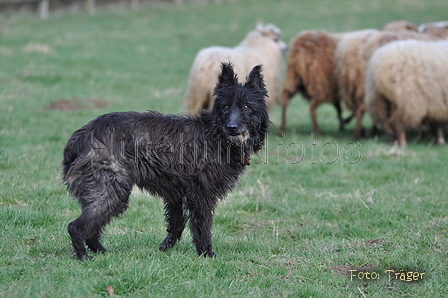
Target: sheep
[(260, 46), (437, 29), (382, 38), (400, 25), (350, 64), (407, 86), (310, 71)]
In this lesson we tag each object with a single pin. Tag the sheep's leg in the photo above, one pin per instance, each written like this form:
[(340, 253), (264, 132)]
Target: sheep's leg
[(375, 132), (359, 113), (313, 107), (285, 101), (419, 136), (440, 135), (348, 119), (337, 105), (388, 130), (400, 134)]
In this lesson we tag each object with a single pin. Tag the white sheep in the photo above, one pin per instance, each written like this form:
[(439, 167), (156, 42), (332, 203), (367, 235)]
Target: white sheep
[(407, 86), (261, 46)]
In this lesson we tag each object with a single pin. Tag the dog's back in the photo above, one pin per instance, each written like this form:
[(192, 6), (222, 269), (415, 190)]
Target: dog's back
[(130, 138)]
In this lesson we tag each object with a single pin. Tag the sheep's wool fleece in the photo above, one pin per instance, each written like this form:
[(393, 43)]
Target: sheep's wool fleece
[(413, 76)]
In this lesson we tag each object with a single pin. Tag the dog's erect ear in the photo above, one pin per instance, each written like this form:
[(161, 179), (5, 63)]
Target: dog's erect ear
[(227, 77), (255, 79)]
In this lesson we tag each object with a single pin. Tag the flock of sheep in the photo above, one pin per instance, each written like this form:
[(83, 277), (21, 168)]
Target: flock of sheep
[(398, 74)]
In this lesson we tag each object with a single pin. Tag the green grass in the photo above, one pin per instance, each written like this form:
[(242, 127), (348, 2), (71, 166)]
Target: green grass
[(301, 217)]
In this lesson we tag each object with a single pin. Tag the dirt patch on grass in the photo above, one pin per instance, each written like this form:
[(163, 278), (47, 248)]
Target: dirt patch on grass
[(77, 104), (373, 242)]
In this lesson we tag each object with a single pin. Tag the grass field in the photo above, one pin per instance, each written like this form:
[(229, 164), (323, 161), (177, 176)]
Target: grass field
[(313, 216)]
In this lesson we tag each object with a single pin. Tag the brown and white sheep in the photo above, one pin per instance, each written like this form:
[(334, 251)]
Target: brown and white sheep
[(310, 71), (261, 46), (350, 65), (407, 86)]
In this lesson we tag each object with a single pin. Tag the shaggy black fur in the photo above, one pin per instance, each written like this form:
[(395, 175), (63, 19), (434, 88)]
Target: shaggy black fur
[(189, 161)]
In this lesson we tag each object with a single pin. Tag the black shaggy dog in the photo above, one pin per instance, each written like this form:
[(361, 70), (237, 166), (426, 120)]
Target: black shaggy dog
[(189, 161)]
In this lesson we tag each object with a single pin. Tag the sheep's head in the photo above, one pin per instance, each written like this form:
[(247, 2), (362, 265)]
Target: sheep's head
[(400, 25), (437, 29), (272, 32)]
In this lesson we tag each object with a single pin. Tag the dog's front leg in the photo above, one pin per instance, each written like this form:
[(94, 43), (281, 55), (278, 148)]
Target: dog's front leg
[(201, 219), (175, 219)]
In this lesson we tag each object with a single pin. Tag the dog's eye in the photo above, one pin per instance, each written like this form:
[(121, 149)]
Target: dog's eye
[(246, 107), (226, 108)]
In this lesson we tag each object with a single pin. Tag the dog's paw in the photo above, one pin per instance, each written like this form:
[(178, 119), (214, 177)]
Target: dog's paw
[(208, 254), (83, 257), (164, 246)]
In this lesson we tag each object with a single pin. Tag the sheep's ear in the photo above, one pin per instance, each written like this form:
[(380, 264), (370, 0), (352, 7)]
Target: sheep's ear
[(411, 27), (227, 77), (262, 29), (255, 79)]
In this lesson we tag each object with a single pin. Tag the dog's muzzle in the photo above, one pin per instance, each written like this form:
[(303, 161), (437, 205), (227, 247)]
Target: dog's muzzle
[(236, 134)]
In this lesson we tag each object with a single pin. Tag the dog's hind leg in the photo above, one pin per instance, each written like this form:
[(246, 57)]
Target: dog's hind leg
[(175, 219), (86, 229), (93, 242), (77, 234), (105, 197)]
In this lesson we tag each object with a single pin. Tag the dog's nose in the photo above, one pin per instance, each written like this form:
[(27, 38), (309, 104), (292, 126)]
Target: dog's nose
[(232, 127)]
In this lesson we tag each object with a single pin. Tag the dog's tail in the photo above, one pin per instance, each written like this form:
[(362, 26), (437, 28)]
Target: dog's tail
[(72, 151)]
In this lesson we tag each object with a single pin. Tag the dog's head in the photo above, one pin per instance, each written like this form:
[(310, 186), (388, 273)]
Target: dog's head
[(240, 110)]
